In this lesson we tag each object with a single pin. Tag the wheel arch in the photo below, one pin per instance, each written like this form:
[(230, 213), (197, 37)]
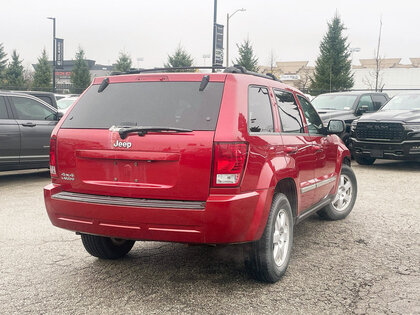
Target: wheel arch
[(287, 186)]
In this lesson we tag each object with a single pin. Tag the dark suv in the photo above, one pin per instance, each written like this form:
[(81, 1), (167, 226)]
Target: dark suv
[(348, 106), (217, 158), (391, 133), (26, 123)]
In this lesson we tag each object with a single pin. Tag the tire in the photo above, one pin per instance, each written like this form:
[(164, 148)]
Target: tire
[(106, 247), (260, 259), (343, 202), (364, 160)]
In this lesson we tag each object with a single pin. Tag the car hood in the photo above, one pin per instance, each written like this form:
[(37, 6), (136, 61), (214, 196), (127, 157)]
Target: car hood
[(327, 115), (408, 116)]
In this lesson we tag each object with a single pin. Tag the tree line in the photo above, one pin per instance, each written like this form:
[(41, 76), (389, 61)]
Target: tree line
[(332, 67)]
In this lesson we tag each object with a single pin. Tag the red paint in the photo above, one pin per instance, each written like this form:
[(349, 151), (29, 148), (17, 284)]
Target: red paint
[(183, 166)]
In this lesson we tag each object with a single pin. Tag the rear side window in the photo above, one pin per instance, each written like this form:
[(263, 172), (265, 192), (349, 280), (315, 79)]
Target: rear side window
[(3, 110), (291, 121), (260, 116), (162, 104), (378, 101)]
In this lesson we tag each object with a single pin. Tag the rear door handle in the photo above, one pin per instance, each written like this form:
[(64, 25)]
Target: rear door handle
[(29, 124), (290, 150)]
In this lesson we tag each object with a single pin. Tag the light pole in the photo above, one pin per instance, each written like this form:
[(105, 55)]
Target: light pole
[(227, 34), (53, 85)]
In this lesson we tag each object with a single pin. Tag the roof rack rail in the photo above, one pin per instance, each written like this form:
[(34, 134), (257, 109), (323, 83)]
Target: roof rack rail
[(241, 69), (171, 69), (234, 69)]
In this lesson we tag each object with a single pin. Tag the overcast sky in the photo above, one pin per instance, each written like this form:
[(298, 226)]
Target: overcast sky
[(153, 29)]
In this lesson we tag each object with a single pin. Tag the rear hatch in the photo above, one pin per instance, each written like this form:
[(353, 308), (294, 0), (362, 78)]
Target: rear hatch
[(95, 157)]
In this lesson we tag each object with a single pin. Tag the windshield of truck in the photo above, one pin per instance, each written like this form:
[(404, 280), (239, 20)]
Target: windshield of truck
[(403, 102), (169, 104), (334, 102)]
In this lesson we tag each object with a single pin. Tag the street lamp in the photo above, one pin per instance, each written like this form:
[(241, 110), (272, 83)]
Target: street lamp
[(227, 33), (53, 19)]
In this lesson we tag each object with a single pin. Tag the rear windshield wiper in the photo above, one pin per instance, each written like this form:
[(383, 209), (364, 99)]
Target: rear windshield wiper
[(143, 130)]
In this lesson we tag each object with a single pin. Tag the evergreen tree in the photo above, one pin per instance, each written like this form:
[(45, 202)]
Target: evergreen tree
[(43, 73), (80, 76), (179, 59), (123, 63), (247, 59), (13, 78), (3, 63), (333, 66)]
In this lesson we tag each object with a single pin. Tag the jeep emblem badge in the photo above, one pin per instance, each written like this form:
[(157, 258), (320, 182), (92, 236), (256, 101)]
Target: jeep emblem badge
[(122, 144)]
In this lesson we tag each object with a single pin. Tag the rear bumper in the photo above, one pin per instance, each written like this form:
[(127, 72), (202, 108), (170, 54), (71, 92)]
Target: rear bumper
[(221, 219), (406, 150)]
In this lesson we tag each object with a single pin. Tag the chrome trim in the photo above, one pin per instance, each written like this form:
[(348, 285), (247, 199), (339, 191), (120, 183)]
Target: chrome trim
[(319, 184), (133, 202), (34, 156)]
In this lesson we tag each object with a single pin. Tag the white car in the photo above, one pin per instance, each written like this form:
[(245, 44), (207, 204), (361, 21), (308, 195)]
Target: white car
[(64, 103)]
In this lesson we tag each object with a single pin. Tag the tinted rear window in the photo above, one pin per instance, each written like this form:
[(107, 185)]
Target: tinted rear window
[(166, 104)]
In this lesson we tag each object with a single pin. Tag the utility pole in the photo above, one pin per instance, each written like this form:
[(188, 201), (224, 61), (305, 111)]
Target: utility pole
[(53, 84), (214, 36), (228, 17)]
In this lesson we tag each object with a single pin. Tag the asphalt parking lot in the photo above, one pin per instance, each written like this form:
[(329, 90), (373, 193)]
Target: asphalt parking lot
[(367, 263)]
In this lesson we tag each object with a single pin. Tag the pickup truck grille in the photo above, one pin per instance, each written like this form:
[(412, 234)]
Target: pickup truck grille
[(380, 131)]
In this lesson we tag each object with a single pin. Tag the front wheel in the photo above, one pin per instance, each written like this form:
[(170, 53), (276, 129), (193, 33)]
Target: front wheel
[(106, 247), (267, 259), (344, 200)]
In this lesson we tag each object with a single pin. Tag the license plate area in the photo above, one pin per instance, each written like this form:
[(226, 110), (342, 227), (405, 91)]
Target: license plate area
[(377, 153)]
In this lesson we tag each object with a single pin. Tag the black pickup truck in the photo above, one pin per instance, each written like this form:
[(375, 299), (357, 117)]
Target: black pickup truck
[(391, 133), (348, 106)]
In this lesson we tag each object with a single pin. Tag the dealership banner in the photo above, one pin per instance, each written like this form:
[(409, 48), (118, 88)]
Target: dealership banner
[(59, 52), (219, 45)]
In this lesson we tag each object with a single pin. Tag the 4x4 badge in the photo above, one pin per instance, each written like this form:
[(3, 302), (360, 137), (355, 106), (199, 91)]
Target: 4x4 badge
[(122, 144)]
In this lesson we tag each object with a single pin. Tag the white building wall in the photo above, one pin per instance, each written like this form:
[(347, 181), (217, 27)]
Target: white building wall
[(394, 79)]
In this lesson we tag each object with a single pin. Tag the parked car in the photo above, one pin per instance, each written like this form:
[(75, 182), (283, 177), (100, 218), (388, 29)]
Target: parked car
[(348, 106), (26, 123), (47, 97), (63, 104), (217, 158), (391, 133)]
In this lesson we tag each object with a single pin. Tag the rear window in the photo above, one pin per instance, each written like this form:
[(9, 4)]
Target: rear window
[(163, 104)]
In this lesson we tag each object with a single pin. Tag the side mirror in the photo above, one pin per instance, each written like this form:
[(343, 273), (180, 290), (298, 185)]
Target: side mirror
[(59, 115), (336, 126), (363, 109)]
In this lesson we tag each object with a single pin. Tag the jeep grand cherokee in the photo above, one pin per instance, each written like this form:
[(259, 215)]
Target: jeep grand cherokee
[(216, 158)]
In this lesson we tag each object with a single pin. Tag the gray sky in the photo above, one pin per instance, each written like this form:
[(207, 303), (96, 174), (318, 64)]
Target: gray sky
[(153, 29)]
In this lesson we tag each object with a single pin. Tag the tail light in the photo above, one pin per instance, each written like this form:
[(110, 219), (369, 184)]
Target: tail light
[(53, 157), (229, 163)]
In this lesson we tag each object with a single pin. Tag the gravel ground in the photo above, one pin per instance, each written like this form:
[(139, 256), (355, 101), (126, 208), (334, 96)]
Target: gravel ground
[(367, 263)]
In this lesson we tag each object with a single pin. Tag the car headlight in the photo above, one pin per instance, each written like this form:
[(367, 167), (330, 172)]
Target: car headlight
[(414, 127), (353, 125), (413, 130)]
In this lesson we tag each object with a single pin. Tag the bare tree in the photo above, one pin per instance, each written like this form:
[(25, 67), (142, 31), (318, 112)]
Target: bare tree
[(375, 78), (305, 79), (272, 61)]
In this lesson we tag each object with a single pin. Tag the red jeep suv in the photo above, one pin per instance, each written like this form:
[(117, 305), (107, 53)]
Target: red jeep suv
[(220, 158)]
